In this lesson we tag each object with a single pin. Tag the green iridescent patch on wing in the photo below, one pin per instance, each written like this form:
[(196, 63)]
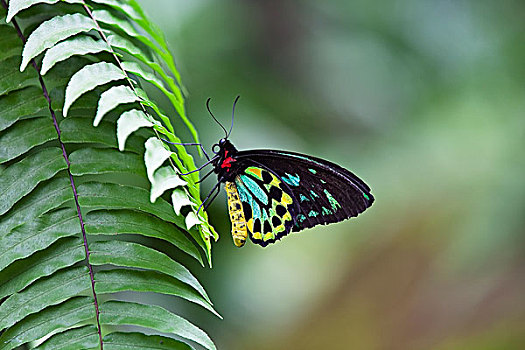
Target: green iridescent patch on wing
[(266, 205), (313, 213), (254, 188), (326, 211), (333, 202), (292, 180)]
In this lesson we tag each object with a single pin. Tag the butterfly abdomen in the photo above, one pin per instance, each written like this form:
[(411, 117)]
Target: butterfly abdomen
[(239, 231)]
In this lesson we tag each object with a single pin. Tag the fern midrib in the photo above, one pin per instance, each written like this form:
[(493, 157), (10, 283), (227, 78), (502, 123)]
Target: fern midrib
[(128, 79), (45, 321), (41, 165), (18, 243), (71, 179), (42, 262), (13, 107), (48, 291)]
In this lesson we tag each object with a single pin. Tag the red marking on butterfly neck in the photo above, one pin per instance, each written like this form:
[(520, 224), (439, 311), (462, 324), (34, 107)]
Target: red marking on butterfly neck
[(226, 163)]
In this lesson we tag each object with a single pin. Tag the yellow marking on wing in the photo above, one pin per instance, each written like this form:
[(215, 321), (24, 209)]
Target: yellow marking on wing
[(278, 229), (239, 232), (286, 198), (275, 181), (268, 236), (255, 171)]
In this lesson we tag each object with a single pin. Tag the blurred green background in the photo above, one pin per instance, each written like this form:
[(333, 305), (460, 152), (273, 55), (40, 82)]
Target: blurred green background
[(425, 101)]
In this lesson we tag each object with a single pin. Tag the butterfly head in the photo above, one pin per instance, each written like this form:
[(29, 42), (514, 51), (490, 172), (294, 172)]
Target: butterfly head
[(223, 145), (225, 152)]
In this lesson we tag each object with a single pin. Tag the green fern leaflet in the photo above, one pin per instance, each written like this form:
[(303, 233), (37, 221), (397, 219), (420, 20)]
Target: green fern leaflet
[(88, 190)]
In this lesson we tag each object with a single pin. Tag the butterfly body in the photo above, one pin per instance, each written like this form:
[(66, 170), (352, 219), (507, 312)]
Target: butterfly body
[(239, 230), (272, 193)]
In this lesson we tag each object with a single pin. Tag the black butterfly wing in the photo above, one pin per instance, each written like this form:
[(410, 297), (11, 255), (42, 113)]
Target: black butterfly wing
[(322, 192)]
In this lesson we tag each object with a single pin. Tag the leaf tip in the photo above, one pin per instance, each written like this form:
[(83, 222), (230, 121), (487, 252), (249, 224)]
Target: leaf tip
[(192, 220), (24, 63)]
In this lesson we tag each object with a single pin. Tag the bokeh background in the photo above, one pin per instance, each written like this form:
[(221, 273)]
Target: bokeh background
[(425, 100)]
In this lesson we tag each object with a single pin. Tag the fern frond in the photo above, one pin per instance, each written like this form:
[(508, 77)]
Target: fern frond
[(82, 162)]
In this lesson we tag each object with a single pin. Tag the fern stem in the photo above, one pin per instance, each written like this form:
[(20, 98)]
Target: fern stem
[(172, 99), (101, 33), (71, 179), (175, 98)]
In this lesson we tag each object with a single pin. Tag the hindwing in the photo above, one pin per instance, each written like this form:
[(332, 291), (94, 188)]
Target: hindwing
[(268, 207)]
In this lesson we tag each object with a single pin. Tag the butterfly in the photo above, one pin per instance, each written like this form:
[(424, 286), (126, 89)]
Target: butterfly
[(273, 193)]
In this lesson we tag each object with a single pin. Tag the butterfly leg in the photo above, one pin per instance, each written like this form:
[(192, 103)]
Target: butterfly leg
[(212, 199), (201, 167), (216, 187), (205, 176)]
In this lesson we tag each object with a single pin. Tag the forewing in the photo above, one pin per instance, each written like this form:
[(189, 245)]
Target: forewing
[(322, 192)]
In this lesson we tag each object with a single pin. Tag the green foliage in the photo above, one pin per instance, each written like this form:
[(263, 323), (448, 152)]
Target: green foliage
[(77, 171)]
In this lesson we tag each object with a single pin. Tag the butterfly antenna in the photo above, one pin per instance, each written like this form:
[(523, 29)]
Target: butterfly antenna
[(209, 110), (188, 144), (233, 113)]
